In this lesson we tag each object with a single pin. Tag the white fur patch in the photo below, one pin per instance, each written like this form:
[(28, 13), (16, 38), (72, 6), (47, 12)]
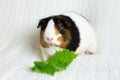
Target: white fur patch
[(50, 33)]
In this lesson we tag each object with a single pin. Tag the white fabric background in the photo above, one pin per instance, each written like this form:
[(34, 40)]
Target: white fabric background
[(19, 39)]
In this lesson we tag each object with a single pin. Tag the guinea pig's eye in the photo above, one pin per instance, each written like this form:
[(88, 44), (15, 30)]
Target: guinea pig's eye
[(63, 34), (58, 26)]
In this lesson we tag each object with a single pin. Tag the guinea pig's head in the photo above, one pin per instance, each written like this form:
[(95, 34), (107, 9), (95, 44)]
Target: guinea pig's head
[(55, 31)]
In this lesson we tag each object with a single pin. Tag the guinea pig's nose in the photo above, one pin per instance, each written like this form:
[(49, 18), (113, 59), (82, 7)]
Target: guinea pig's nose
[(50, 39)]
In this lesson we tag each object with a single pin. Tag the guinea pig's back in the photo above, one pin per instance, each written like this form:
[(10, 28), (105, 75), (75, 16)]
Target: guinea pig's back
[(87, 34)]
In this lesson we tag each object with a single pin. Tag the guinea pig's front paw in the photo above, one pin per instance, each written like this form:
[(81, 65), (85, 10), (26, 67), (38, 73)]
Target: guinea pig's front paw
[(44, 58)]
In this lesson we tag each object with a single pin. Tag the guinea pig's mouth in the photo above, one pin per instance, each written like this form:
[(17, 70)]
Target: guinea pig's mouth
[(52, 44)]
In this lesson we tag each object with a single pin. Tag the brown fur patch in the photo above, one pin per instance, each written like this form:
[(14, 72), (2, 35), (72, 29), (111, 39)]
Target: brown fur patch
[(42, 42), (56, 30), (60, 39), (66, 41)]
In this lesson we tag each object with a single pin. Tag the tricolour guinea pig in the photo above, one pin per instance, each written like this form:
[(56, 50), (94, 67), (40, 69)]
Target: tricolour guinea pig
[(69, 30)]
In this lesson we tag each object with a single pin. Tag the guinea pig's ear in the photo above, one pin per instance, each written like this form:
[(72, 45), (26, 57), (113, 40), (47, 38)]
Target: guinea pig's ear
[(43, 23)]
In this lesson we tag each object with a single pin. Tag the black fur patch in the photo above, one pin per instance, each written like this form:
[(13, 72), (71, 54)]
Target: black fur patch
[(68, 24), (43, 23)]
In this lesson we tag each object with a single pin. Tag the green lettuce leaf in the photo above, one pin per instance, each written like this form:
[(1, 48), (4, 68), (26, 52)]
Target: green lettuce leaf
[(58, 62)]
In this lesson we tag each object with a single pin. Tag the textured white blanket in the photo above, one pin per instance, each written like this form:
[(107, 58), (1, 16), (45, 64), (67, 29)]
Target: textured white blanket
[(19, 39)]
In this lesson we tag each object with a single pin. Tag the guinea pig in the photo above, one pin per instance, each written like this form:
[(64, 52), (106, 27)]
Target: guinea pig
[(69, 30)]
